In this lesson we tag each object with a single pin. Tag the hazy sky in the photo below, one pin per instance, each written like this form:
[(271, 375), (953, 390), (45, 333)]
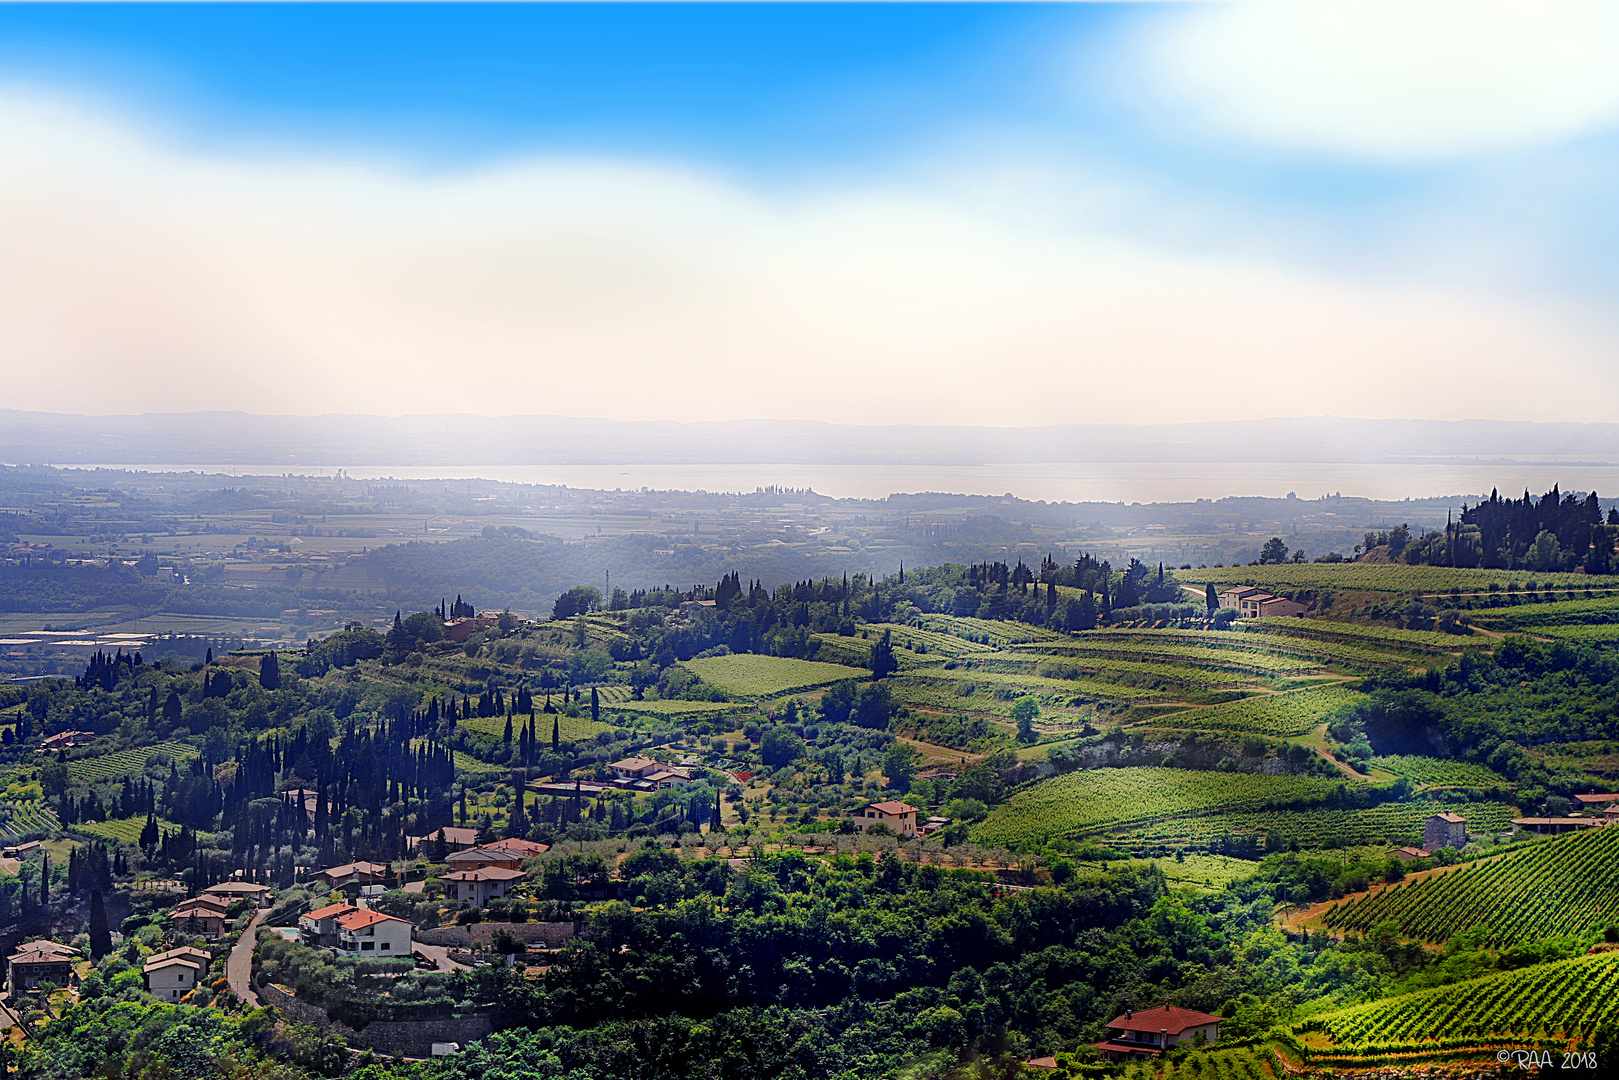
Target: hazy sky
[(914, 213)]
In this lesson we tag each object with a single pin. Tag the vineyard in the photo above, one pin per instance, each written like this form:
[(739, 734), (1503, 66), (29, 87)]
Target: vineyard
[(1282, 715), (1429, 641), (123, 830), (1222, 1063), (1427, 772), (1562, 885), (1384, 577), (1566, 1000), (18, 819), (575, 729), (1566, 884), (1596, 612), (1387, 824), (125, 762), (751, 675), (986, 631), (1098, 800)]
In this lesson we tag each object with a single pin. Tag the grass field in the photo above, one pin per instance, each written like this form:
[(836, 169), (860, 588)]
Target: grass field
[(1099, 800), (748, 675), (124, 762), (1561, 885)]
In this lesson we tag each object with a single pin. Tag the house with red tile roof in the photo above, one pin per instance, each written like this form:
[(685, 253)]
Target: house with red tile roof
[(1150, 1032), (319, 927), (367, 931), (899, 816)]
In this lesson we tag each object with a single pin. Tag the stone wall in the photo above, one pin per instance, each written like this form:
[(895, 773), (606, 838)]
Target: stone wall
[(400, 1038), (478, 935)]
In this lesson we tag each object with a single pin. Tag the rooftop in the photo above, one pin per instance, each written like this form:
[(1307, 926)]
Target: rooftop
[(359, 920), (892, 807), (1168, 1018), (330, 910)]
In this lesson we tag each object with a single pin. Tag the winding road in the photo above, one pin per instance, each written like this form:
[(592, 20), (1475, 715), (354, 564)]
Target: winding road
[(239, 964)]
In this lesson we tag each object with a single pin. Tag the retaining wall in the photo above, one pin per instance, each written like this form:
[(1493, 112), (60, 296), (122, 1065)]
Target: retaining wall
[(553, 934), (401, 1038)]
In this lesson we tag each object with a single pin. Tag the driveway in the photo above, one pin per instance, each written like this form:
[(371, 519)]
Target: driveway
[(437, 953), (239, 964)]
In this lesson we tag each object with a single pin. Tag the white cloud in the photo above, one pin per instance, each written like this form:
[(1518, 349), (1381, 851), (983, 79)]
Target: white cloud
[(137, 277), (1389, 79)]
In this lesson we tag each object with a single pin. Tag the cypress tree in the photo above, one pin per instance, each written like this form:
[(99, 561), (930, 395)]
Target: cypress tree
[(556, 734), (595, 705), (100, 936), (270, 672), (45, 881), (1211, 598)]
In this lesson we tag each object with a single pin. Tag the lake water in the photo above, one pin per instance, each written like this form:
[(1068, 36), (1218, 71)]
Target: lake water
[(1051, 481)]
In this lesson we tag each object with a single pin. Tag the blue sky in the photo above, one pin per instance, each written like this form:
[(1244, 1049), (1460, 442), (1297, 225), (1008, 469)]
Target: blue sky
[(743, 210)]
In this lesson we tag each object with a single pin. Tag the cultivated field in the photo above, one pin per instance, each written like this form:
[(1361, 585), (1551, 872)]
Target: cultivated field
[(748, 675), (1561, 885)]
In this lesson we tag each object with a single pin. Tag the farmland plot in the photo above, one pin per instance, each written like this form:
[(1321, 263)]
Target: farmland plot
[(750, 675)]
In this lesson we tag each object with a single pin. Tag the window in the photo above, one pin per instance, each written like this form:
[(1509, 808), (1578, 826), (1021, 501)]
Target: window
[(386, 945), (367, 946)]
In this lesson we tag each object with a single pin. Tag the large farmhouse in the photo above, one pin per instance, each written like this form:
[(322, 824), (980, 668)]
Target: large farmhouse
[(1150, 1032)]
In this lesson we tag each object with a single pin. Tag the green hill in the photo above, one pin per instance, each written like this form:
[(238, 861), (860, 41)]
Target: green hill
[(1562, 885)]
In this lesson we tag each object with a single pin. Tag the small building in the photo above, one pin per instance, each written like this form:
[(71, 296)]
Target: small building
[(1551, 826), (366, 931), (1271, 606), (1595, 802), (933, 825), (1407, 854), (232, 891), (518, 846), (478, 887), (458, 630), (173, 974), (1151, 1032), (196, 916), (1444, 831), (365, 873), (455, 838), (480, 857), (665, 778), (637, 768), (899, 816), (38, 962), (319, 927), (22, 851), (1233, 597), (64, 739)]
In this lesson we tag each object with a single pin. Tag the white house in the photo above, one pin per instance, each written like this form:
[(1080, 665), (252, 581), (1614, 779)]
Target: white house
[(899, 816), (319, 927), (478, 887), (367, 931), (173, 974)]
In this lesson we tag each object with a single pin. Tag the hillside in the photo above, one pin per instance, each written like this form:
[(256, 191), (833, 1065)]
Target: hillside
[(1562, 885)]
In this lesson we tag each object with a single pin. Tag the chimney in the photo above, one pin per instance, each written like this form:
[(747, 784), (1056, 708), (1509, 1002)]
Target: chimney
[(1129, 1014)]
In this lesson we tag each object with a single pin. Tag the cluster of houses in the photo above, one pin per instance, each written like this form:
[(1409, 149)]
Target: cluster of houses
[(1590, 811), (1252, 603), (205, 914)]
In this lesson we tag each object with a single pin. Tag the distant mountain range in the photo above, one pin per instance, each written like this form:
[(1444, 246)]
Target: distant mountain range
[(236, 437)]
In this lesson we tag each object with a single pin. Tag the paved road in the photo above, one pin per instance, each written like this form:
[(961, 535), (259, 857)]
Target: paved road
[(239, 965), (439, 953)]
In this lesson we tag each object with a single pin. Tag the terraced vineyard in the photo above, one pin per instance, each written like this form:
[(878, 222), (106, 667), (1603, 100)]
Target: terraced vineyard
[(1099, 800), (1384, 577), (125, 762), (1566, 1000), (1216, 1063), (1235, 653), (21, 818), (927, 643), (123, 830), (986, 631), (574, 728), (1393, 823), (1561, 885), (1358, 633), (1595, 612), (1281, 715), (750, 675), (1428, 772)]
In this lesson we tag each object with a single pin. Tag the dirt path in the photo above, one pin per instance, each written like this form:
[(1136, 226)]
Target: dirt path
[(239, 965)]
